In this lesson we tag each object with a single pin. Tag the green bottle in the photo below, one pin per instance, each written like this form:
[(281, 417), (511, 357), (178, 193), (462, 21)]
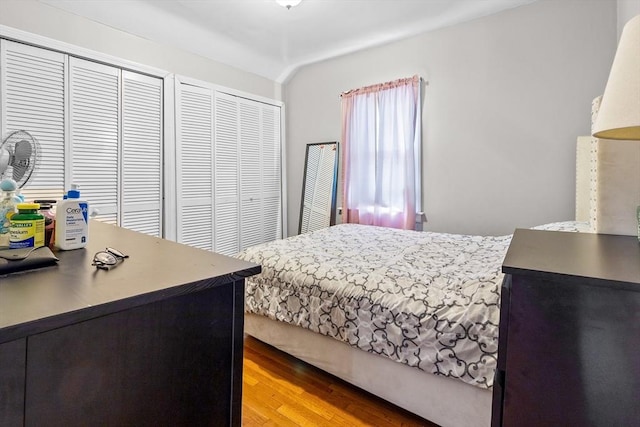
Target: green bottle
[(27, 227)]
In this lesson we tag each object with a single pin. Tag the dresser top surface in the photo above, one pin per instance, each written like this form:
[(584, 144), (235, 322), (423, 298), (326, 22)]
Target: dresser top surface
[(597, 256), (156, 269)]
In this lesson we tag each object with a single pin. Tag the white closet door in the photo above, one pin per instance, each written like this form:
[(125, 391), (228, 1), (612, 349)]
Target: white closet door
[(228, 168), (141, 153), (33, 99), (250, 174), (194, 170), (226, 206), (260, 178), (94, 125), (271, 173)]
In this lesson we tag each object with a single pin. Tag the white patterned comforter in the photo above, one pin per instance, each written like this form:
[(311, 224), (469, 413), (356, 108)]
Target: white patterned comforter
[(428, 300)]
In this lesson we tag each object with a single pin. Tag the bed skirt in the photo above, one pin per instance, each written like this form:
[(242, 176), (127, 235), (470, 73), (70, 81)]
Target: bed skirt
[(444, 401)]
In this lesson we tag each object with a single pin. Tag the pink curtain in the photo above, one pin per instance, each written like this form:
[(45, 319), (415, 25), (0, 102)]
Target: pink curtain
[(381, 146)]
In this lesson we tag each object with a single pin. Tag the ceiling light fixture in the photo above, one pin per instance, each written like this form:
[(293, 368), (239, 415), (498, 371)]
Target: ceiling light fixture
[(288, 3)]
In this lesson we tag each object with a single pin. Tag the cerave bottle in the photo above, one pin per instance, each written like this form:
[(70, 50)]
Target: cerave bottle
[(27, 227), (72, 222)]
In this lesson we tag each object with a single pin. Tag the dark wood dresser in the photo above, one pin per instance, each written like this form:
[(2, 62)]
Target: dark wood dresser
[(569, 349), (157, 340)]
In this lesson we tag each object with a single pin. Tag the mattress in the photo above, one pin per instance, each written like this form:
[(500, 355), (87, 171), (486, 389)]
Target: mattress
[(426, 300)]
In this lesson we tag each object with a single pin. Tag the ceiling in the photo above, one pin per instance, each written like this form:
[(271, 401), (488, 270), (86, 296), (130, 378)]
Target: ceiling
[(264, 38)]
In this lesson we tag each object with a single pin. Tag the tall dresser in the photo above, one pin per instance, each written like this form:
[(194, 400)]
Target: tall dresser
[(157, 340), (569, 350)]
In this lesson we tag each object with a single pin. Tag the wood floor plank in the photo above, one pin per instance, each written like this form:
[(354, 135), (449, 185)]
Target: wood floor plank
[(282, 367), (263, 395), (303, 416), (279, 386), (271, 415), (280, 390), (253, 418), (317, 405)]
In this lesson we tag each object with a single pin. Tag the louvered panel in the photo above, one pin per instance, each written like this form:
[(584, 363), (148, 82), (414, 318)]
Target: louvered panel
[(260, 172), (31, 193), (197, 226), (304, 225), (109, 219), (317, 220), (271, 173), (313, 165), (250, 148), (272, 220), (94, 119), (322, 199), (226, 228), (311, 174), (251, 226), (271, 169), (317, 202), (227, 216), (194, 150), (147, 222), (33, 84), (226, 149), (142, 152), (196, 144)]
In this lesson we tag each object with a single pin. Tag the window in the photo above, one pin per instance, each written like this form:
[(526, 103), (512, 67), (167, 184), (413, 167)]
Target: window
[(381, 162)]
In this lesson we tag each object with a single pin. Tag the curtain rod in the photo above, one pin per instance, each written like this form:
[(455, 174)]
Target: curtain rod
[(390, 84)]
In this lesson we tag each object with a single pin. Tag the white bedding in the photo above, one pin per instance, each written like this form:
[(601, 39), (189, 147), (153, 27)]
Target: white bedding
[(427, 300)]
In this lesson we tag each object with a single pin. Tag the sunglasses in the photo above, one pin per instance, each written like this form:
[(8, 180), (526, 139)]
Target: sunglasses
[(108, 258)]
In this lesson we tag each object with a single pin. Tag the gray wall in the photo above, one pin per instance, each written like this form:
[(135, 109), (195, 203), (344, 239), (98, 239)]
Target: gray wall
[(48, 21), (627, 9), (507, 96)]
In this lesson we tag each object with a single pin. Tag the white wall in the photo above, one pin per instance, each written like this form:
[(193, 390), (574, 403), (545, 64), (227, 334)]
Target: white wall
[(507, 96), (48, 21)]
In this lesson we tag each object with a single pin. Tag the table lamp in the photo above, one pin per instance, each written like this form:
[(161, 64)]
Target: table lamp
[(619, 115)]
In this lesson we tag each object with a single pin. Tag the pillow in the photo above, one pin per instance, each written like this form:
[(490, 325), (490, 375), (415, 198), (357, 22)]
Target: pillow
[(571, 226)]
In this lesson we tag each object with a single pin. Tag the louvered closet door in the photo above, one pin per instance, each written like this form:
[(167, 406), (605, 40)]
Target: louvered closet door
[(250, 174), (271, 173), (226, 206), (260, 173), (194, 160), (94, 125), (141, 153), (33, 85)]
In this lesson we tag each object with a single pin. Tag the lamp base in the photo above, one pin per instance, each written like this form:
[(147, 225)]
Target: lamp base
[(615, 187)]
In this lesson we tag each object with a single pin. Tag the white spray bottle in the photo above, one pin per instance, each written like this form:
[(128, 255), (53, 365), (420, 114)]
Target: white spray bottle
[(72, 222)]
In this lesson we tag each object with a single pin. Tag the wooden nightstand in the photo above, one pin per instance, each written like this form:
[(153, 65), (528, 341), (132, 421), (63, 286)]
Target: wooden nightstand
[(569, 350)]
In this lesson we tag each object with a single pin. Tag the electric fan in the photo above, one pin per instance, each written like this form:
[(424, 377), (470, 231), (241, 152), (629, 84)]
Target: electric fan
[(18, 157)]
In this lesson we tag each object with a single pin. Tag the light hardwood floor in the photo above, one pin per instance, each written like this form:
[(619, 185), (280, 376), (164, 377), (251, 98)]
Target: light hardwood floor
[(279, 390)]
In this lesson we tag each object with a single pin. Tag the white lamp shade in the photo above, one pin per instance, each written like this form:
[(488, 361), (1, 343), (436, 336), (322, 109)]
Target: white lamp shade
[(619, 116)]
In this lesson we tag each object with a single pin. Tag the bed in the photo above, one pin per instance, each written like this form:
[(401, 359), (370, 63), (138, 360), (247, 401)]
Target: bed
[(409, 316)]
